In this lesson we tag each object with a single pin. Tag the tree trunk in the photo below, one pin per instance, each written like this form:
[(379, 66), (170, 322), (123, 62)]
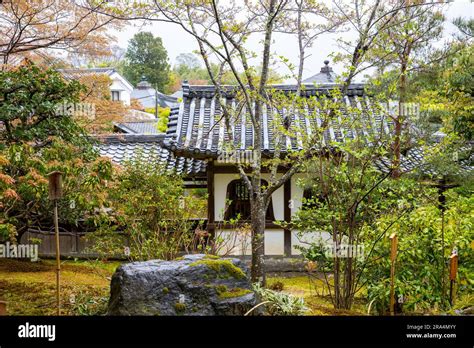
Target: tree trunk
[(399, 120), (258, 243)]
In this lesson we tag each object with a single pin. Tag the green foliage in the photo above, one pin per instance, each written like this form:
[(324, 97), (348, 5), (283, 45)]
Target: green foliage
[(421, 259), (88, 304), (179, 307), (31, 106), (189, 68), (163, 116), (279, 303), (348, 195), (458, 90), (147, 57), (24, 188), (465, 26), (151, 211), (276, 286), (39, 138)]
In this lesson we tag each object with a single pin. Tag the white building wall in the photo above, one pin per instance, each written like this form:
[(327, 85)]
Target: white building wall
[(117, 85), (121, 85), (238, 242), (220, 193), (306, 238)]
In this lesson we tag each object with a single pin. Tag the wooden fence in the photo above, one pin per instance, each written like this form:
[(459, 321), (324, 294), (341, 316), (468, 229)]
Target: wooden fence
[(71, 244)]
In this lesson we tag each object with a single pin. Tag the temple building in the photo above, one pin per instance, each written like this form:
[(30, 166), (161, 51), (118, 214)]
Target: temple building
[(197, 136)]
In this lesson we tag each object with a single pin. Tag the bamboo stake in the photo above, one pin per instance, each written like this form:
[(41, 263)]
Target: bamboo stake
[(58, 259), (55, 193), (393, 256), (452, 276), (3, 308)]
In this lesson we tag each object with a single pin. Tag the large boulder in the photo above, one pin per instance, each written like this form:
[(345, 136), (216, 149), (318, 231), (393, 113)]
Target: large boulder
[(191, 285)]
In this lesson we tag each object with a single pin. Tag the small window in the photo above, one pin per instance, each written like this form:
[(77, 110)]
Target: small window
[(239, 197), (115, 95)]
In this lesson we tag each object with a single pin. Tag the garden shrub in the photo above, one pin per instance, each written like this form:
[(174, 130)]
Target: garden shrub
[(152, 212), (279, 303), (421, 258)]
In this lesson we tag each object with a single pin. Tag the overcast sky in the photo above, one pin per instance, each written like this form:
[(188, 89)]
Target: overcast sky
[(177, 41)]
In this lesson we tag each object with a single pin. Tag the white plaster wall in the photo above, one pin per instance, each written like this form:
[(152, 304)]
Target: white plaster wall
[(297, 238), (239, 243), (233, 242), (274, 242), (125, 92), (220, 193), (125, 97), (296, 193), (306, 238), (274, 239)]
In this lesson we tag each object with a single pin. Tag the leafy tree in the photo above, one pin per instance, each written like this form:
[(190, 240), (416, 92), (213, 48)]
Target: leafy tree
[(147, 57), (34, 106), (189, 68), (402, 44), (38, 135), (348, 194), (24, 186), (457, 93), (41, 26), (465, 26), (103, 110), (187, 60)]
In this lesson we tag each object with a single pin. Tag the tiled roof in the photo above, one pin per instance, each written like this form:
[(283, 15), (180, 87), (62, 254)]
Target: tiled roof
[(79, 72), (325, 76), (128, 147), (138, 127), (142, 126), (409, 162), (199, 128), (414, 159), (146, 97)]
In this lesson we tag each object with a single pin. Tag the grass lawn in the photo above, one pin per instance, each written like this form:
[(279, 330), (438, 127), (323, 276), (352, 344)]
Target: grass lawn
[(29, 288)]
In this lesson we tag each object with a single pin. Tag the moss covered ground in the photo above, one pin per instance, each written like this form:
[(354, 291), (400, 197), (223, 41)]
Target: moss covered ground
[(315, 293), (29, 288)]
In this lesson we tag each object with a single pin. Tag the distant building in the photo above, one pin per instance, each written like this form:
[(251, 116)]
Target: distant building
[(324, 77), (149, 97), (141, 125), (120, 90)]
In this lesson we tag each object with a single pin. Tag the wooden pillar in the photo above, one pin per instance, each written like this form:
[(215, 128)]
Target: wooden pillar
[(287, 216), (210, 198)]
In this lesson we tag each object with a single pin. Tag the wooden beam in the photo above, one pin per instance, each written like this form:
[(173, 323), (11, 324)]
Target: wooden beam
[(194, 186), (231, 169), (287, 216), (222, 225)]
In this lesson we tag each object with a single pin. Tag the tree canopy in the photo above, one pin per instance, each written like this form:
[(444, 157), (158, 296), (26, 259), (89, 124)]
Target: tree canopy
[(146, 56)]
